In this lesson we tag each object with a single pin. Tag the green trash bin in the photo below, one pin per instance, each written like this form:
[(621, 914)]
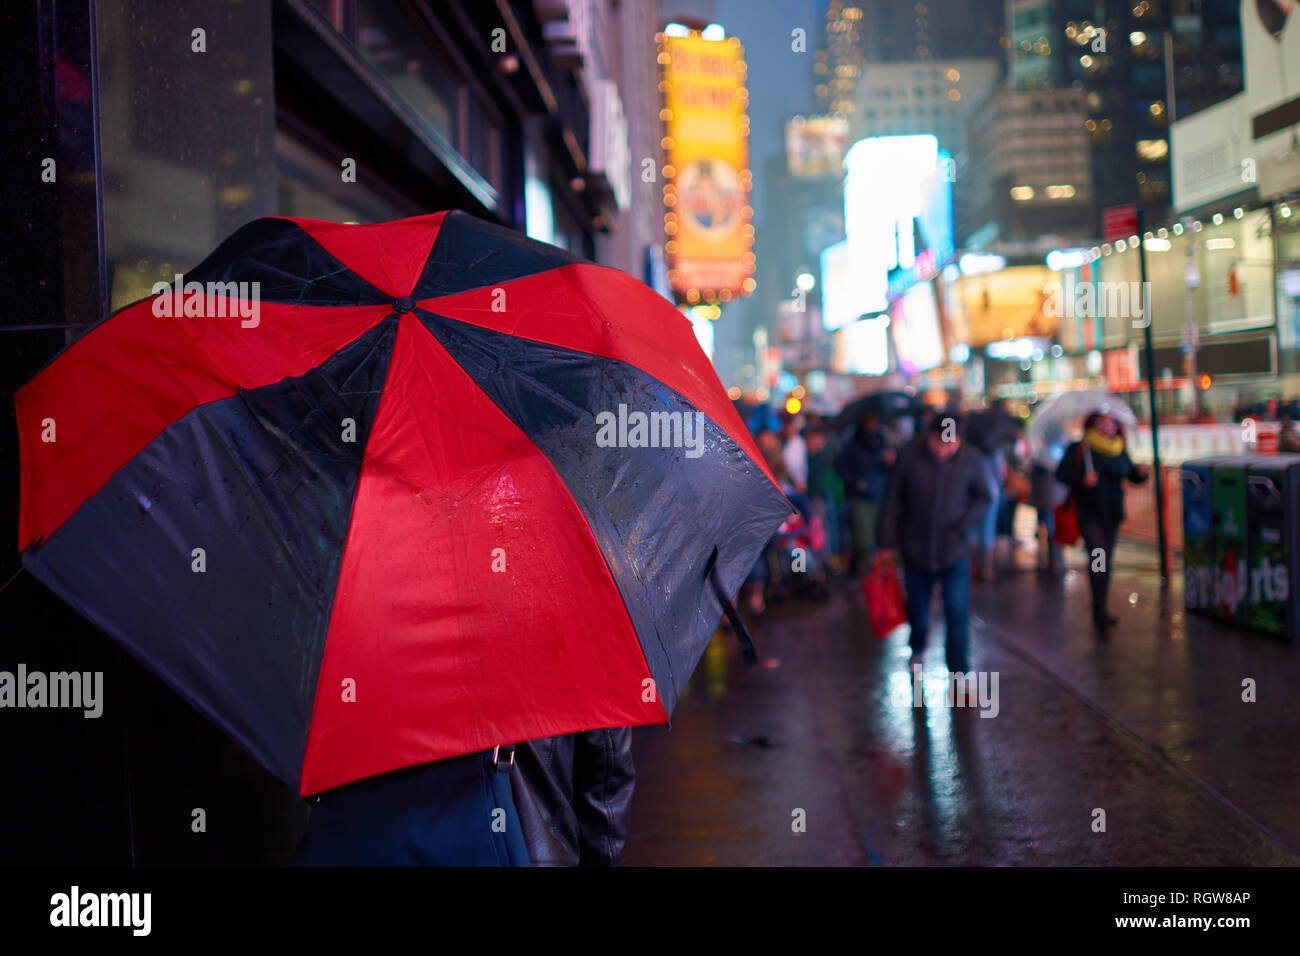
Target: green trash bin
[(1272, 513), (1228, 530)]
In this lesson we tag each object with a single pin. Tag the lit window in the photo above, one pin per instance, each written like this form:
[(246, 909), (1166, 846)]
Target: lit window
[(1152, 150)]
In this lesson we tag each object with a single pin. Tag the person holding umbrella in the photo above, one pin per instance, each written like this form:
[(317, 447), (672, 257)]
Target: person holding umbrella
[(418, 513), (1095, 469), (555, 801)]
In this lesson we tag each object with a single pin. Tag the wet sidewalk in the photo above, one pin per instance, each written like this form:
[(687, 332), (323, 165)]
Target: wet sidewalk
[(820, 757)]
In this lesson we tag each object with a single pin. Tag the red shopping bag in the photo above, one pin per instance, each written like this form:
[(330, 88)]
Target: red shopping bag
[(1066, 519), (817, 534), (1066, 515), (884, 597)]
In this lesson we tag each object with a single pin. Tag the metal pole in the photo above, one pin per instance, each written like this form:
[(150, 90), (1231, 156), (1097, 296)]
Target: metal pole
[(1171, 105), (1190, 335), (1156, 474)]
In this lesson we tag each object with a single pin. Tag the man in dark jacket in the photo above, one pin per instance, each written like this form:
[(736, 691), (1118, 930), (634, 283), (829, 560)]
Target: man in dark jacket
[(864, 467), (574, 797), (936, 494)]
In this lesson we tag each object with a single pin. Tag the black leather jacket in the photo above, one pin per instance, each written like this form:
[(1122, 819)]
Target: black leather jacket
[(574, 797)]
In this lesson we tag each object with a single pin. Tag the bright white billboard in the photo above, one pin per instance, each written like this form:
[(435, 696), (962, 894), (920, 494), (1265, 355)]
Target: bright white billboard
[(896, 190), (844, 296)]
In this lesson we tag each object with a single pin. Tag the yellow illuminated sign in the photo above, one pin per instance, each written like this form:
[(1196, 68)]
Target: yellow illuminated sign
[(706, 194)]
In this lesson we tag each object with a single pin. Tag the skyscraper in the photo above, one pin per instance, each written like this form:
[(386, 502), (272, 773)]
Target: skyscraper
[(1126, 56)]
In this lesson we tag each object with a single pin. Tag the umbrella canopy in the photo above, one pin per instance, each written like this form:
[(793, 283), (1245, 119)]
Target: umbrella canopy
[(888, 405), (990, 428), (1059, 421), (373, 496)]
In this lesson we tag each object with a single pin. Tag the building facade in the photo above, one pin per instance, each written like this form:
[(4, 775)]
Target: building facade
[(1027, 187), (157, 128)]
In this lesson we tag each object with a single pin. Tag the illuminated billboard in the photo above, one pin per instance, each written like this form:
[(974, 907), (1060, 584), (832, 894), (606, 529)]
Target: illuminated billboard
[(845, 297), (897, 213), (863, 348), (914, 322), (1008, 304), (815, 146), (710, 237)]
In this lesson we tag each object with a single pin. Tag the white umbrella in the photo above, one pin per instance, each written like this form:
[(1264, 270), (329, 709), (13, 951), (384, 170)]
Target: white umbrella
[(1060, 421)]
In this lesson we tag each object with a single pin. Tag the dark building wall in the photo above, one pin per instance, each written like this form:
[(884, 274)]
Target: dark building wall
[(934, 30), (1127, 86), (160, 152)]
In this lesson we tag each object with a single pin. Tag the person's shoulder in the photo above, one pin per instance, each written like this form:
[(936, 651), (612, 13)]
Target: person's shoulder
[(906, 455)]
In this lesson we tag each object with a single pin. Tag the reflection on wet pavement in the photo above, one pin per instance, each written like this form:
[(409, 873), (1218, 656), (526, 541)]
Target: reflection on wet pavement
[(821, 757)]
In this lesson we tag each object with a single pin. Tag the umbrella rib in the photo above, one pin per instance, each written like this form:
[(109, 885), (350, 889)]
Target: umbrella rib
[(297, 564)]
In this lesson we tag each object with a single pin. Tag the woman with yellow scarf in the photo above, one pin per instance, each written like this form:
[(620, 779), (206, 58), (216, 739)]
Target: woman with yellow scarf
[(1095, 469)]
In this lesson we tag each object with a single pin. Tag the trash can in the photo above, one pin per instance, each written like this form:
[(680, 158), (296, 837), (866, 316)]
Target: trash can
[(1198, 541), (1272, 512), (1228, 532)]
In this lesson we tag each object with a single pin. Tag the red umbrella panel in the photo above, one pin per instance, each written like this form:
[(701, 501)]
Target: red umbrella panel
[(373, 496)]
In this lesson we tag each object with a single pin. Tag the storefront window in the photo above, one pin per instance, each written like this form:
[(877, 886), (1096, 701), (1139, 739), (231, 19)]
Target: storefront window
[(310, 188), (185, 126), (424, 77), (392, 44)]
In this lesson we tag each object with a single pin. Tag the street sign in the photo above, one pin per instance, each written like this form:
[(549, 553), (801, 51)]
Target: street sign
[(1119, 222)]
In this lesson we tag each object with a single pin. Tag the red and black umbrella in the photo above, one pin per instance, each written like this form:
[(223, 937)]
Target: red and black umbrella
[(373, 496)]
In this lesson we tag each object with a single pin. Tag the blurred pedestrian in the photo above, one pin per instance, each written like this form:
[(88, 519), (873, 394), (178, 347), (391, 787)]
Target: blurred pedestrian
[(1288, 438), (864, 466), (826, 489), (769, 445), (1096, 468), (794, 452), (1245, 407), (936, 493), (1046, 494), (917, 424), (991, 432)]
